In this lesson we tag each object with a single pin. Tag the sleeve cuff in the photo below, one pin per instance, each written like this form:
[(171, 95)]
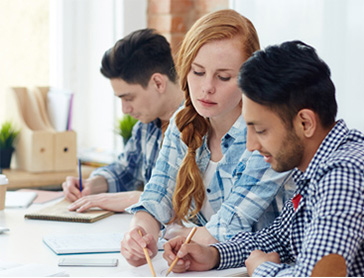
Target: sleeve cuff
[(269, 269)]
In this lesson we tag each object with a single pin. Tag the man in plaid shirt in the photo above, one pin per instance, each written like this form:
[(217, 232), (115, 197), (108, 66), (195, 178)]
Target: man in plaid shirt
[(290, 108), (141, 70)]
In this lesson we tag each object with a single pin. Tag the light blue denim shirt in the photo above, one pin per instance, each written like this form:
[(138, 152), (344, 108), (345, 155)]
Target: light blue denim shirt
[(245, 193)]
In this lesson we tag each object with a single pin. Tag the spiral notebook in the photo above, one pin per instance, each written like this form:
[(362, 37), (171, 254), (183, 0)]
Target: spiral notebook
[(60, 212)]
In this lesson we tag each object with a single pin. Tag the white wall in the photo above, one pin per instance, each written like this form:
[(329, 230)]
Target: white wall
[(81, 31), (334, 27)]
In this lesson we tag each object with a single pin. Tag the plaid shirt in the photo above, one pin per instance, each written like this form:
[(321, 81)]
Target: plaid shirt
[(241, 193), (329, 217), (135, 164)]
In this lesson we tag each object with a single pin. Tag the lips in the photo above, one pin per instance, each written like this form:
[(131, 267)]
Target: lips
[(267, 158), (206, 102)]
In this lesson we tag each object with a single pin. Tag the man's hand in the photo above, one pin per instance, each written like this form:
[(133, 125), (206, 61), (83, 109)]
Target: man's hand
[(257, 257), (117, 202), (192, 256), (71, 187)]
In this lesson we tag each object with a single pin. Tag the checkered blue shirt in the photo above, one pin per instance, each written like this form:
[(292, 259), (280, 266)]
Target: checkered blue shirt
[(329, 217), (244, 193), (134, 165)]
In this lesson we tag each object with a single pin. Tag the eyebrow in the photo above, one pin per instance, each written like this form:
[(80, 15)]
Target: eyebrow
[(196, 64), (124, 95)]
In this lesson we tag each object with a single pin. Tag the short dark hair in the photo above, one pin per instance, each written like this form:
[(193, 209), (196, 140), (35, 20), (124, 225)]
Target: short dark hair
[(290, 77), (136, 57)]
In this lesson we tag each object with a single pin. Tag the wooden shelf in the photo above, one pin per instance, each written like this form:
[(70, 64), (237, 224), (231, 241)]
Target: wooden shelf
[(22, 179)]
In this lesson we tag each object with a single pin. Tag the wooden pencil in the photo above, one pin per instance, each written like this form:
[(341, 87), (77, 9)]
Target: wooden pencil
[(188, 239), (148, 258)]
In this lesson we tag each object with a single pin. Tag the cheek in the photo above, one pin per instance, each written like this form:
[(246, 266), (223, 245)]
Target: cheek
[(192, 84), (233, 95)]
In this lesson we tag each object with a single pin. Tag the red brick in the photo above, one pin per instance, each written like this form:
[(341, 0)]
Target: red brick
[(178, 24), (181, 6), (161, 23), (159, 6), (206, 6), (176, 41)]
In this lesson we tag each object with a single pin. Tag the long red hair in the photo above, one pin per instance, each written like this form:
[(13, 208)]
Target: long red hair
[(219, 25)]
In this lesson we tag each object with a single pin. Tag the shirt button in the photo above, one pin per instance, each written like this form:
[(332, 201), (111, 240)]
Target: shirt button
[(208, 190), (226, 146)]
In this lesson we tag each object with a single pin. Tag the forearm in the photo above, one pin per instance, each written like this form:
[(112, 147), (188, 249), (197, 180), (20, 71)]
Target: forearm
[(147, 222), (98, 184), (128, 198)]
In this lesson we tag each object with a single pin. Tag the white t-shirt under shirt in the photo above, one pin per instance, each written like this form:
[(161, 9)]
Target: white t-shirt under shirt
[(206, 209)]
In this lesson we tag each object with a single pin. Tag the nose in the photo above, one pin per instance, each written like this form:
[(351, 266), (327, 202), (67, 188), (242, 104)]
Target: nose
[(126, 107), (252, 143), (208, 85)]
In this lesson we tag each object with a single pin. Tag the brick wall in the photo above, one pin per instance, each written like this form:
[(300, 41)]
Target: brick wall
[(173, 18)]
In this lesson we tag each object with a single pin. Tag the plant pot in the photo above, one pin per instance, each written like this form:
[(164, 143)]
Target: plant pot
[(5, 157)]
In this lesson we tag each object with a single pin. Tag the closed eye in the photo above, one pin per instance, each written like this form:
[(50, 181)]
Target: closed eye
[(260, 131), (224, 78), (198, 73)]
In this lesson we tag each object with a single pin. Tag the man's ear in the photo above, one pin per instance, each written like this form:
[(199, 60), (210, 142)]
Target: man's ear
[(306, 122), (159, 82)]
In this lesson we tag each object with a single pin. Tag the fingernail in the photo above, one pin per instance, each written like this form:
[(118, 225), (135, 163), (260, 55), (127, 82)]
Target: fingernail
[(179, 254), (171, 257), (187, 264), (180, 262)]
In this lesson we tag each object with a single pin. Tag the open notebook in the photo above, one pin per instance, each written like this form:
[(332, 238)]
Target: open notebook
[(60, 212), (63, 244)]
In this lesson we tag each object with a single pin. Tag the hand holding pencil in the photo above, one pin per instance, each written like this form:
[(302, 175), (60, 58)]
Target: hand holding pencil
[(193, 256), (188, 239)]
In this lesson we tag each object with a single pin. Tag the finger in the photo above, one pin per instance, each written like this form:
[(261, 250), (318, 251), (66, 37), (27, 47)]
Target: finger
[(85, 207), (172, 246), (168, 253), (68, 195), (181, 266), (132, 258), (72, 186), (132, 245)]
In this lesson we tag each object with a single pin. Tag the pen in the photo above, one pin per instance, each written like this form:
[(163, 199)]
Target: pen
[(148, 258), (188, 239), (80, 174)]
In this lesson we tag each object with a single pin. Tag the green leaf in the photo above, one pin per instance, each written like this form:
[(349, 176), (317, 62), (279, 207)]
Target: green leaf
[(8, 135), (125, 126)]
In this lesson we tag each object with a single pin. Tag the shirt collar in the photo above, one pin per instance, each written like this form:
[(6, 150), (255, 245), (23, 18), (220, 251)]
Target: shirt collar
[(238, 130)]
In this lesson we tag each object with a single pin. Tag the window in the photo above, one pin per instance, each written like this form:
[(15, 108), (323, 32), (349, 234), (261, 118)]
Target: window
[(333, 27)]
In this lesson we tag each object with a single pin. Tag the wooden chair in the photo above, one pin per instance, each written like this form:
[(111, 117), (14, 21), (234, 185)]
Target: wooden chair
[(332, 265)]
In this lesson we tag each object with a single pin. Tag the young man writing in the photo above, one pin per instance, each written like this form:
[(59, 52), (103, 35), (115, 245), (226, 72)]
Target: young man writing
[(290, 108), (141, 71)]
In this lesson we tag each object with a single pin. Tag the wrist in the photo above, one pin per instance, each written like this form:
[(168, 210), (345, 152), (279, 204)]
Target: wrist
[(215, 258)]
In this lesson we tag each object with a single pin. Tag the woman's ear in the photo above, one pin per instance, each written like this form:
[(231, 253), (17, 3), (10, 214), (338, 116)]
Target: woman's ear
[(159, 82), (306, 122)]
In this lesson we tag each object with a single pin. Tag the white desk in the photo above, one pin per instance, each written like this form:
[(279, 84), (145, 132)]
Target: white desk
[(23, 243)]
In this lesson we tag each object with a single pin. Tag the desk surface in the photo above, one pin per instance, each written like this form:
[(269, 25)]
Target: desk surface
[(22, 179), (23, 243)]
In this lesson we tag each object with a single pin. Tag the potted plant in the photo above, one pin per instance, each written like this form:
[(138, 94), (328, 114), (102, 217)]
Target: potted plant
[(8, 135), (125, 127)]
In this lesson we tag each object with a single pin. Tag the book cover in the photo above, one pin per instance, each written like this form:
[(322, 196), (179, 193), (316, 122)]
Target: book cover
[(60, 212)]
